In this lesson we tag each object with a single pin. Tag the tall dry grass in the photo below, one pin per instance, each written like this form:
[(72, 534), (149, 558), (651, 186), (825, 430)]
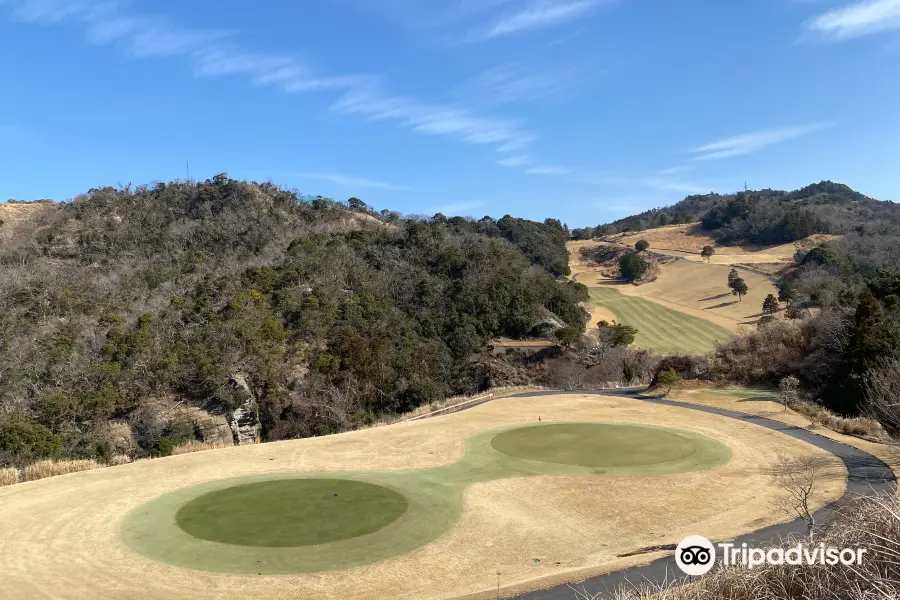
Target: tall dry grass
[(9, 476), (870, 523), (863, 427), (51, 468), (195, 446)]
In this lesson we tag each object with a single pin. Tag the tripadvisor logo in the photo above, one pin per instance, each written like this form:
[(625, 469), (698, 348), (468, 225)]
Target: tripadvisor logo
[(696, 555)]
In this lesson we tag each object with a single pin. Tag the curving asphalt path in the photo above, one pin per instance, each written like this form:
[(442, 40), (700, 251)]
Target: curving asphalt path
[(865, 475)]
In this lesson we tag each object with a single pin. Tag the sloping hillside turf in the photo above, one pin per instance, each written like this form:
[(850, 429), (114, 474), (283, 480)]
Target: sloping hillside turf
[(659, 328)]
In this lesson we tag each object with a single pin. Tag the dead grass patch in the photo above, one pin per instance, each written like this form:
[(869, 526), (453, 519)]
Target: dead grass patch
[(196, 446), (871, 523), (120, 459), (863, 427), (50, 468), (9, 476)]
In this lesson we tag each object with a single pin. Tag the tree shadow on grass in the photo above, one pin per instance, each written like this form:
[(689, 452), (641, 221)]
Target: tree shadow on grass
[(719, 297), (723, 305)]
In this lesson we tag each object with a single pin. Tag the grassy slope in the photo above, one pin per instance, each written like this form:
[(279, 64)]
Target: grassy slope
[(659, 328)]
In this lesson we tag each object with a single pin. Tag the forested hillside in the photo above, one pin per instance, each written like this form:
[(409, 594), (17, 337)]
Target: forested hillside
[(765, 216), (843, 296), (213, 294)]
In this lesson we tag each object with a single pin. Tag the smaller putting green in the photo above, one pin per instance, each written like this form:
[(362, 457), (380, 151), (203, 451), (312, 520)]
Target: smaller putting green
[(594, 445), (291, 513)]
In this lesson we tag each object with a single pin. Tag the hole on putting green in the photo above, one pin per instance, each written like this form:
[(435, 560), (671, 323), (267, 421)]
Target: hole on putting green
[(597, 445), (288, 513)]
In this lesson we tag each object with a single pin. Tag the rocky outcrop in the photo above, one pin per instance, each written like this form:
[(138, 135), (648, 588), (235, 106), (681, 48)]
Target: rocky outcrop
[(546, 324), (245, 425), (213, 428)]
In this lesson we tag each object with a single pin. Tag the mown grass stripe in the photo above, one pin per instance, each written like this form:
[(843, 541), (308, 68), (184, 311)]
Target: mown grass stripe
[(660, 328)]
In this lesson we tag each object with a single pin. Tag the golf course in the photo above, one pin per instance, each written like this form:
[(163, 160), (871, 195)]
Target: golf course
[(319, 521), (660, 328), (533, 490)]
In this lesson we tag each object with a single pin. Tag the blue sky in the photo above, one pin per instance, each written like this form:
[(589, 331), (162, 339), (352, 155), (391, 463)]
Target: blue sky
[(585, 110)]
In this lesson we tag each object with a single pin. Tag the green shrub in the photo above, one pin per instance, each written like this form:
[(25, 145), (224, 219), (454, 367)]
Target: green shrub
[(632, 267), (23, 439)]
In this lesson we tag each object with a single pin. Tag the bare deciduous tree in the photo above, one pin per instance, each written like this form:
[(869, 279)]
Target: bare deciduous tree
[(566, 375), (797, 477), (787, 390), (882, 401)]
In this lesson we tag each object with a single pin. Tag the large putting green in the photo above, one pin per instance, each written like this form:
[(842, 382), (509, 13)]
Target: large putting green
[(660, 328), (291, 512), (309, 522), (594, 444)]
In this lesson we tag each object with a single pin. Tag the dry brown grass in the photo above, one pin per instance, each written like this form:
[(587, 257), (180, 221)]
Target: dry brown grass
[(863, 427), (120, 459), (51, 468), (443, 406), (550, 518), (692, 288), (9, 476), (871, 523), (688, 240), (196, 446), (19, 217)]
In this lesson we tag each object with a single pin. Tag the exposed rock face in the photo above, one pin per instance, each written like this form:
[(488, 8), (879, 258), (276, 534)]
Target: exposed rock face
[(212, 427), (547, 323), (245, 423)]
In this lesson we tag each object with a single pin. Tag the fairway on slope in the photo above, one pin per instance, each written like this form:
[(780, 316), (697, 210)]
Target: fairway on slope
[(695, 289), (554, 522), (660, 328)]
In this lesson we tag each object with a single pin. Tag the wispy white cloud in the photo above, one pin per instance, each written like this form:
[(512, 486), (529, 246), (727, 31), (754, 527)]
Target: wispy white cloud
[(435, 119), (456, 209), (350, 181), (676, 169), (518, 82), (452, 21), (859, 19), (209, 52), (515, 161), (753, 142), (604, 178), (214, 54), (427, 14), (537, 15), (548, 170), (676, 186)]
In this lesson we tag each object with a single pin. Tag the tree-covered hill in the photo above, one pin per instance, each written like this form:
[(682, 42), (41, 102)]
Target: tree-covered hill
[(765, 216), (842, 297), (202, 294)]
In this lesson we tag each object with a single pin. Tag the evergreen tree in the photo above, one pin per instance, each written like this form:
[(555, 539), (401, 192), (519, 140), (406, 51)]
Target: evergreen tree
[(733, 275), (739, 288), (786, 293), (872, 338)]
